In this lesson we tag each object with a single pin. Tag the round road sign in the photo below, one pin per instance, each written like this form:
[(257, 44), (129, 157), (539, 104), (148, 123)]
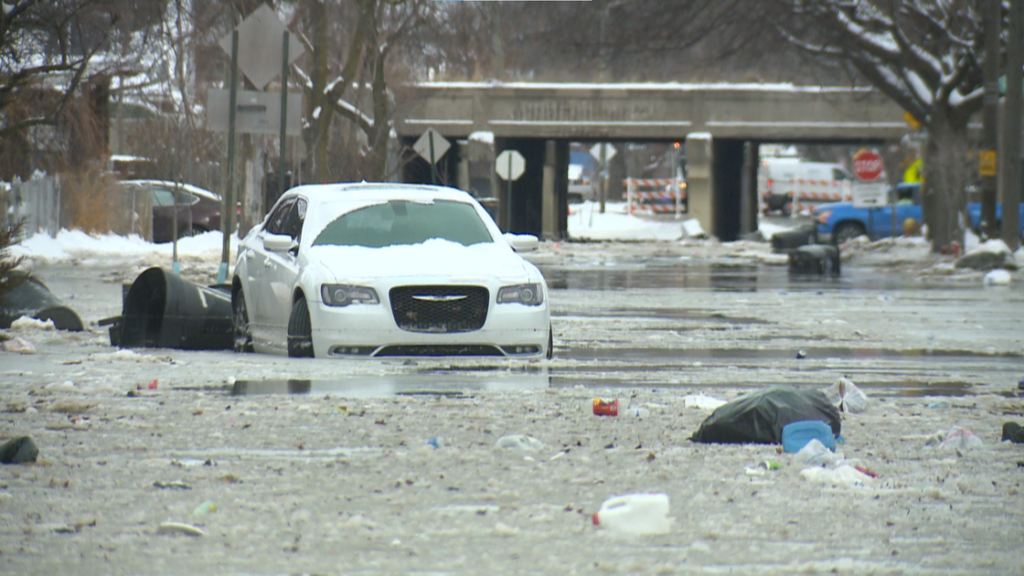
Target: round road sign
[(867, 165)]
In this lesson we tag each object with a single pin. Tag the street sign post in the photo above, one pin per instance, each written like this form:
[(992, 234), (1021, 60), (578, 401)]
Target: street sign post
[(260, 61), (510, 165), (603, 152), (431, 146)]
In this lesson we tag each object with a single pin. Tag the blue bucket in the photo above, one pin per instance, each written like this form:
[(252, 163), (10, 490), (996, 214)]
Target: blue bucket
[(796, 435)]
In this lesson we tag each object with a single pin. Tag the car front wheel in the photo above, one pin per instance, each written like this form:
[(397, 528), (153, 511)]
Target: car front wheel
[(551, 343), (240, 320), (300, 331), (846, 232)]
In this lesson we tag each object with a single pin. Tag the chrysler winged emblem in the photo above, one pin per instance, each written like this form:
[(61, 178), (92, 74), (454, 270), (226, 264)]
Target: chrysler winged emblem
[(439, 297)]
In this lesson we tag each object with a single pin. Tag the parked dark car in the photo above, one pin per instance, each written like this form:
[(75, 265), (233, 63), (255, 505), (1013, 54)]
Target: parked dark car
[(198, 209)]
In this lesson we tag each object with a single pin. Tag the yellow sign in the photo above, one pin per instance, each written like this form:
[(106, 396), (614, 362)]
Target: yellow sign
[(987, 163), (915, 173), (914, 123)]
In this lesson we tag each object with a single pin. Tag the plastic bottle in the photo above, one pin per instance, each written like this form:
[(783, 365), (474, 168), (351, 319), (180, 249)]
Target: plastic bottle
[(635, 514)]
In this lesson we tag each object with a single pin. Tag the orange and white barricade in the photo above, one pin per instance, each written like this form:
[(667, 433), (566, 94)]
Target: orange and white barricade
[(671, 192), (805, 194)]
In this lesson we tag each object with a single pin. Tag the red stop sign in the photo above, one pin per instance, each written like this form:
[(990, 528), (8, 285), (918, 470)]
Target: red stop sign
[(867, 165)]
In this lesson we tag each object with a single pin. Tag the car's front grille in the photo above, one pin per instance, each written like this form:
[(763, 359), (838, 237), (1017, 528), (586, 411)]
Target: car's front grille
[(439, 309), (439, 350)]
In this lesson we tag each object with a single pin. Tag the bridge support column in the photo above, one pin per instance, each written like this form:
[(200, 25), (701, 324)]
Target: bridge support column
[(715, 183), (549, 217), (698, 180), (748, 208)]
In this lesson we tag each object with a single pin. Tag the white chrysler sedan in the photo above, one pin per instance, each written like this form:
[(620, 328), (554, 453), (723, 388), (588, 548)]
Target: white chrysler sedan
[(382, 270)]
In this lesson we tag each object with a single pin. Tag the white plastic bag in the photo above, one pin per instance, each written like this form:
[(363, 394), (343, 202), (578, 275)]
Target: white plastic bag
[(843, 476), (845, 395), (814, 453)]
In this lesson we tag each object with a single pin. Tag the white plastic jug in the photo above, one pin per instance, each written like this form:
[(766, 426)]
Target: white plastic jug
[(635, 514)]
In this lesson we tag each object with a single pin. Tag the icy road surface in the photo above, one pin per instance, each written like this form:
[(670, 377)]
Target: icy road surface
[(391, 467)]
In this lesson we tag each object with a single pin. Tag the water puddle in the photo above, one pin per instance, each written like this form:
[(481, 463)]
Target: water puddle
[(825, 353), (434, 383)]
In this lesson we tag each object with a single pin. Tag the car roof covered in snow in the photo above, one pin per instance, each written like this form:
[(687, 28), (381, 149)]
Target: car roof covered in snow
[(170, 185), (377, 191)]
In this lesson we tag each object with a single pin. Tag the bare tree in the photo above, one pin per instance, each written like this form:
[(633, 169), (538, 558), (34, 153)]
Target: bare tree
[(47, 58), (925, 55), (342, 86)]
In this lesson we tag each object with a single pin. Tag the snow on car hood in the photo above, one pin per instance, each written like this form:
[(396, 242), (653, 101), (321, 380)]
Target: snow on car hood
[(434, 258)]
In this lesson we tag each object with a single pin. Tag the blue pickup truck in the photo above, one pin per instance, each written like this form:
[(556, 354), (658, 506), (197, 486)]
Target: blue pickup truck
[(840, 222)]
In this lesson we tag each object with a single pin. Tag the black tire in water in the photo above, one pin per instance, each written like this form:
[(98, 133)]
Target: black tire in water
[(847, 231), (551, 343), (300, 331), (240, 320)]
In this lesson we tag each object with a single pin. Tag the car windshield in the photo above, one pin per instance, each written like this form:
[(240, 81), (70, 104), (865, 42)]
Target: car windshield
[(401, 222)]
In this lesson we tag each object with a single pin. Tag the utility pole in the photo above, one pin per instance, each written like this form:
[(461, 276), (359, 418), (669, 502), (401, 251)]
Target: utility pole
[(1011, 182), (987, 157)]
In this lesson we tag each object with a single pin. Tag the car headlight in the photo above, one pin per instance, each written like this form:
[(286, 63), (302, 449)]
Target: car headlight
[(824, 216), (529, 294), (345, 294)]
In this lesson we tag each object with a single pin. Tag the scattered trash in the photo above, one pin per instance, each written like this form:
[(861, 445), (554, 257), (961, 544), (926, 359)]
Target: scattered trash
[(801, 354), (866, 471), (520, 442), (941, 405), (204, 508), (603, 408), (179, 528), (796, 435), (17, 344), (814, 453), (19, 451), (635, 514), (174, 484), (1013, 432), (845, 396), (152, 385), (843, 476), (961, 440), (437, 442), (758, 417), (764, 467), (701, 402)]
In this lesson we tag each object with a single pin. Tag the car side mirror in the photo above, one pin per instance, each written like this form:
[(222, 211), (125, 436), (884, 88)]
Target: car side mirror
[(279, 242), (522, 242)]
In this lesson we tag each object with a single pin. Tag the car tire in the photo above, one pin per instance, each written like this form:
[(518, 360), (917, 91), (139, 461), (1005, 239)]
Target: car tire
[(300, 331), (847, 231), (240, 322), (551, 343)]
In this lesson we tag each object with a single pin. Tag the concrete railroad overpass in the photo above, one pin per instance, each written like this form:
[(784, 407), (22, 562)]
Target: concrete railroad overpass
[(716, 122)]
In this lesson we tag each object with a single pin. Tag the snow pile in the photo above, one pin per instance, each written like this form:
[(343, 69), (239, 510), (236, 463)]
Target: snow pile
[(75, 245)]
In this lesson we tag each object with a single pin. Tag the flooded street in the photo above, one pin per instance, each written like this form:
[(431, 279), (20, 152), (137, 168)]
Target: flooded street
[(392, 466)]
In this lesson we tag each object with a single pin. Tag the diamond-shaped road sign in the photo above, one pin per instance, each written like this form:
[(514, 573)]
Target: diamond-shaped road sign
[(510, 165), (422, 146), (609, 151), (259, 46)]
